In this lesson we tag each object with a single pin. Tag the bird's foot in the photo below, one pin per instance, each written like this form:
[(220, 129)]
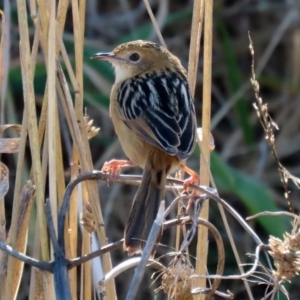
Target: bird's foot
[(114, 166), (194, 179)]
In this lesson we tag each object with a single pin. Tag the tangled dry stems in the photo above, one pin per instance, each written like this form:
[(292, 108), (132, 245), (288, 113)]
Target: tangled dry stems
[(177, 277)]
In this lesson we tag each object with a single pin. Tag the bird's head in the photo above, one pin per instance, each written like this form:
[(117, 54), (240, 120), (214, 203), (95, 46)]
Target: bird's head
[(137, 57)]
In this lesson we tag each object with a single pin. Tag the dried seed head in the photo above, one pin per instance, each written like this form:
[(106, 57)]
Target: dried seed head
[(286, 259), (90, 129), (293, 240), (87, 218), (176, 281)]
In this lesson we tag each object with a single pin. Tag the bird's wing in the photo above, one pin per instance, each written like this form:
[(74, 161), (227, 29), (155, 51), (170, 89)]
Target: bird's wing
[(160, 109)]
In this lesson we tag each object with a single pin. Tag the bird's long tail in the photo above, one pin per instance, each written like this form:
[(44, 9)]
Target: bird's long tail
[(144, 209)]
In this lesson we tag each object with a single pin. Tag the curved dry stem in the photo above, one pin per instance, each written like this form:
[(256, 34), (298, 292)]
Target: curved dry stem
[(219, 242), (135, 180), (130, 263), (182, 197), (26, 259), (207, 291), (242, 276), (273, 214)]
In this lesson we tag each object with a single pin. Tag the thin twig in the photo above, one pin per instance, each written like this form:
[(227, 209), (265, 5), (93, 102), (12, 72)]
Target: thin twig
[(130, 263), (24, 258), (51, 229), (241, 276), (219, 242), (268, 126), (273, 214), (107, 248), (154, 23)]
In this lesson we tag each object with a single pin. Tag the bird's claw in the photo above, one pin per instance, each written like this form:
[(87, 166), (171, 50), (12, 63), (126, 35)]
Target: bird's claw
[(114, 166), (194, 179)]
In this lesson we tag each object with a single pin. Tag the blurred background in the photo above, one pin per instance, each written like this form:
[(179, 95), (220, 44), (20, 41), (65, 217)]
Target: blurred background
[(244, 170)]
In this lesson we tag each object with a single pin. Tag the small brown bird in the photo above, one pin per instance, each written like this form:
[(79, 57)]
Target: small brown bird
[(154, 117)]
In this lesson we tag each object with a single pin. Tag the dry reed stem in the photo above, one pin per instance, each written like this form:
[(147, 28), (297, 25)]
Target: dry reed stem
[(38, 285), (20, 243), (82, 151), (4, 66), (86, 274), (52, 112), (62, 9), (3, 80), (47, 130), (48, 30), (202, 244), (60, 174), (44, 24), (232, 242), (196, 32), (67, 61), (2, 40), (78, 13), (35, 45), (4, 56), (33, 275), (86, 247), (29, 99), (58, 25), (18, 237), (2, 91), (73, 231)]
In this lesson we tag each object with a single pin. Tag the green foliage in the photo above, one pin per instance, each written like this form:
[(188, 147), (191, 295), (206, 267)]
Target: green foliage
[(234, 82), (252, 193)]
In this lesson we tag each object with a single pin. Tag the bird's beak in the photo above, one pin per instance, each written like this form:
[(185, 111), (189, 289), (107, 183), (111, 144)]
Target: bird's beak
[(104, 56)]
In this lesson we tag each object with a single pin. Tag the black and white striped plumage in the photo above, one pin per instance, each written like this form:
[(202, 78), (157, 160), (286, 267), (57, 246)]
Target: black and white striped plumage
[(162, 101)]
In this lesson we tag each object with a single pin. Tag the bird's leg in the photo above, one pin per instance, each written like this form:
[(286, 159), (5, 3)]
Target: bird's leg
[(193, 179), (114, 166)]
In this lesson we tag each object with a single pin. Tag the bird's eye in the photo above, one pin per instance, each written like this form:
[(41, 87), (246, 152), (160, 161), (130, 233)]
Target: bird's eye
[(134, 57)]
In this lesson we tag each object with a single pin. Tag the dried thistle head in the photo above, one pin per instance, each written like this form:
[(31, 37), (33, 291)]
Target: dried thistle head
[(286, 255), (176, 279), (294, 238)]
